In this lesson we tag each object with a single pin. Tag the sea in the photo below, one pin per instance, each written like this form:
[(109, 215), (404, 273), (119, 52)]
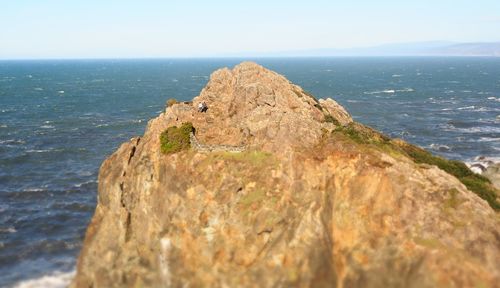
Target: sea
[(59, 119)]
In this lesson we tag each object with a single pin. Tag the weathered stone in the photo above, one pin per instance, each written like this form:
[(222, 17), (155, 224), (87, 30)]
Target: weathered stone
[(299, 207)]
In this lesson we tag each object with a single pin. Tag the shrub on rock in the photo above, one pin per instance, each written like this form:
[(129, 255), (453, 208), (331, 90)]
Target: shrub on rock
[(171, 102), (176, 139)]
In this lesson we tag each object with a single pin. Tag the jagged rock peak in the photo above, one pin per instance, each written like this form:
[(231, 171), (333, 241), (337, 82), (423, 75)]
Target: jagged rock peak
[(251, 105)]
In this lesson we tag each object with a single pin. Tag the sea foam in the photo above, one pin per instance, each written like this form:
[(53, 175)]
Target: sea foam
[(54, 280)]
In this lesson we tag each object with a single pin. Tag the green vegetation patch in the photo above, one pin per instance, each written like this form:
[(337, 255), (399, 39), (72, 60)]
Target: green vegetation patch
[(176, 139), (363, 135), (474, 182), (330, 119), (478, 184), (171, 102), (253, 197)]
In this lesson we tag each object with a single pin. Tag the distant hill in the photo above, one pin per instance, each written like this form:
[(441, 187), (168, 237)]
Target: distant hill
[(468, 49), (436, 48)]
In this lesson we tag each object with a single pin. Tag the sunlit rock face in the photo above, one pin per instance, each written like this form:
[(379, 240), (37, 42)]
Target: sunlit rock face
[(280, 199)]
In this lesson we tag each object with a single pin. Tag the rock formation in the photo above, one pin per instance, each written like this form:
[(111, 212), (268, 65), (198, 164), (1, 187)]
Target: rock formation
[(493, 173), (309, 202)]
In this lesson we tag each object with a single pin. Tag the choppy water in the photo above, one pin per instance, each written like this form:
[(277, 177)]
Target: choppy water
[(60, 119)]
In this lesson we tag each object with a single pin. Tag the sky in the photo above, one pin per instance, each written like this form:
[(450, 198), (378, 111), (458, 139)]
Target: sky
[(195, 28)]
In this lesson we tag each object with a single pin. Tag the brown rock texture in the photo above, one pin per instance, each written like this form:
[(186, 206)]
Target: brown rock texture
[(300, 207)]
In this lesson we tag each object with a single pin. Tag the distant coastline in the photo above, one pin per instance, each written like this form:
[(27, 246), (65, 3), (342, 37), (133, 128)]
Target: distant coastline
[(414, 49)]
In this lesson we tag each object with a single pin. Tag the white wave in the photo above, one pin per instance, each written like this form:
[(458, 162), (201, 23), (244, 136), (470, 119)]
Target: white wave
[(494, 99), (4, 126), (38, 89), (12, 141), (467, 108), (482, 129), (389, 91), (33, 190), (37, 151), (56, 279), (175, 80), (60, 91), (485, 109), (396, 75), (439, 147), (476, 168), (406, 90), (86, 182), (8, 230), (47, 127), (488, 139), (479, 109), (480, 163)]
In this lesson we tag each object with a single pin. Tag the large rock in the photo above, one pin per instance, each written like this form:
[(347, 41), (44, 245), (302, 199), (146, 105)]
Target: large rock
[(302, 206)]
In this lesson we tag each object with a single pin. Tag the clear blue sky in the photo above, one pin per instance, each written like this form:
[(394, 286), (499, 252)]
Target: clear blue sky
[(123, 28)]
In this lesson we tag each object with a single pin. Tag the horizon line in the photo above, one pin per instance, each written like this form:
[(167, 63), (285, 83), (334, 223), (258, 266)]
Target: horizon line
[(243, 57)]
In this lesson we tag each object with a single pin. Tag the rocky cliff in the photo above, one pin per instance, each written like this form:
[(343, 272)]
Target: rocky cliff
[(279, 189)]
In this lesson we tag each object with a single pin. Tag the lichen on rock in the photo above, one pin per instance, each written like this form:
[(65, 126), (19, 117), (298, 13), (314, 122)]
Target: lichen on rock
[(313, 200)]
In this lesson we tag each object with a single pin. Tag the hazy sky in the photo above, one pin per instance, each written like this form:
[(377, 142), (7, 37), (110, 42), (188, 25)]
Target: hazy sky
[(124, 28)]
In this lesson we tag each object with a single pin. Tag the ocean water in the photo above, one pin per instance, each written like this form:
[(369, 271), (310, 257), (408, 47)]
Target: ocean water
[(60, 119)]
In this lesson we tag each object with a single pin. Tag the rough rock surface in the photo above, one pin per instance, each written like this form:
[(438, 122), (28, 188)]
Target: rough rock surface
[(300, 207), (493, 173)]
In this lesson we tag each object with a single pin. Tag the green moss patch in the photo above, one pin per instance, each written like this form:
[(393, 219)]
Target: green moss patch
[(363, 135), (478, 184), (171, 102), (330, 119), (253, 197), (176, 139)]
